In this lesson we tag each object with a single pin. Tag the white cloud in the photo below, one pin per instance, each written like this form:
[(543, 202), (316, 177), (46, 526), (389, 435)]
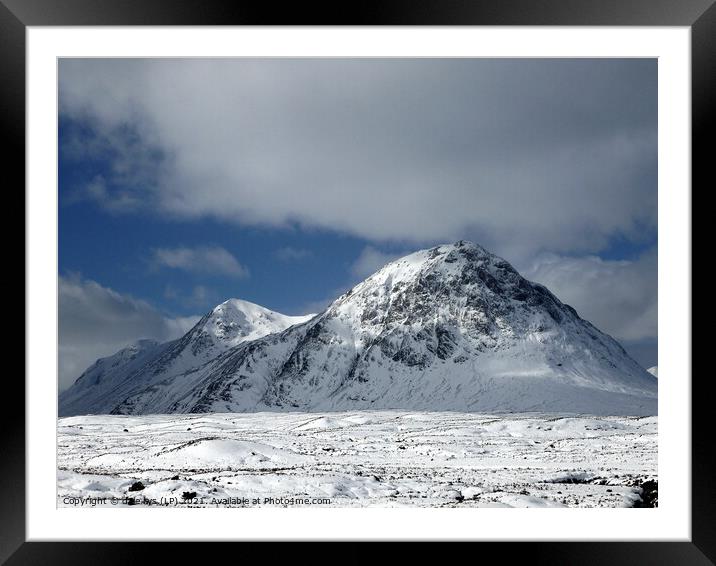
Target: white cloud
[(289, 253), (618, 297), (371, 260), (200, 297), (213, 260), (520, 155), (95, 321), (114, 201)]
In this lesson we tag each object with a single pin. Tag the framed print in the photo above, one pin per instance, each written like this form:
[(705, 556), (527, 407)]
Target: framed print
[(422, 275)]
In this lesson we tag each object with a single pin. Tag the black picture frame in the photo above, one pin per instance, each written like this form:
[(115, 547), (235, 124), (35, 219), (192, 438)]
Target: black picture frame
[(16, 15)]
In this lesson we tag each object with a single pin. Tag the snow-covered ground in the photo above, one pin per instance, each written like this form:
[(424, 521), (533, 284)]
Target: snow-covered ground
[(359, 458)]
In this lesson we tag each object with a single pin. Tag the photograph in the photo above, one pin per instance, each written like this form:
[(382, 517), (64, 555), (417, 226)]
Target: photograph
[(357, 282)]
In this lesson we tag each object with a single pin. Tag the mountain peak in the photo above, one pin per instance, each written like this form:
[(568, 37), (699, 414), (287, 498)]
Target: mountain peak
[(458, 252), (226, 326), (452, 327), (239, 305), (461, 268), (237, 320), (467, 245)]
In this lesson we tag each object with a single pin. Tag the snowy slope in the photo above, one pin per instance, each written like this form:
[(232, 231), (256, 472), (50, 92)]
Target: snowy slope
[(98, 388), (449, 328), (110, 380)]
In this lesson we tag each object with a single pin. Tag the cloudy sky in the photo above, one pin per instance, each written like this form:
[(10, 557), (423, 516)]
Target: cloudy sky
[(284, 181)]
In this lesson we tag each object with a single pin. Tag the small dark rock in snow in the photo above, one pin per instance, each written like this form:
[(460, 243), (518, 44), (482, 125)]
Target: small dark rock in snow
[(188, 495), (175, 477), (136, 486)]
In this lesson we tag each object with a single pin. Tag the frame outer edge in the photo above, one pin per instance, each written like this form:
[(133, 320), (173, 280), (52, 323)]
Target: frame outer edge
[(362, 12), (12, 120), (703, 109), (701, 14)]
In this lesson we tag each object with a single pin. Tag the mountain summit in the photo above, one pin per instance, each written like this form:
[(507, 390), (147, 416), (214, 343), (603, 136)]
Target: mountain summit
[(452, 327), (109, 380)]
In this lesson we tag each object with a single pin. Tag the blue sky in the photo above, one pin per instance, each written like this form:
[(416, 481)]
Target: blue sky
[(283, 182), (289, 269)]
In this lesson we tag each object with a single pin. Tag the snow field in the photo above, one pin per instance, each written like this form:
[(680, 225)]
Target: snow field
[(359, 459)]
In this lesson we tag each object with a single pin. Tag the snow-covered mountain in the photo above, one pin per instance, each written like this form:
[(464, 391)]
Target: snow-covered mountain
[(449, 328), (654, 370), (110, 380)]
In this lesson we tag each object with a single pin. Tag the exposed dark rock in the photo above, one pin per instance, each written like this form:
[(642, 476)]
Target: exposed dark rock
[(649, 494), (441, 326)]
